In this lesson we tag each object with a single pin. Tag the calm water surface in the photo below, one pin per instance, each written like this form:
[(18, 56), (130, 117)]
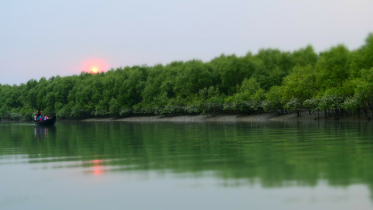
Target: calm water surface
[(176, 166)]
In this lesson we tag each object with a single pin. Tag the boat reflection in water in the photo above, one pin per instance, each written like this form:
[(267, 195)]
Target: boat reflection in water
[(42, 133)]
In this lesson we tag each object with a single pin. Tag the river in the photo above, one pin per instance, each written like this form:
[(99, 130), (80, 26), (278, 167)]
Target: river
[(176, 166)]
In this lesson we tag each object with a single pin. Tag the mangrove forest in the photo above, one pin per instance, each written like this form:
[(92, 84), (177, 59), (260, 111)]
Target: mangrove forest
[(334, 82)]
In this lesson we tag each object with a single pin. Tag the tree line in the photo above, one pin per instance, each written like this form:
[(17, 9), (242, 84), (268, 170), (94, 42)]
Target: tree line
[(334, 82)]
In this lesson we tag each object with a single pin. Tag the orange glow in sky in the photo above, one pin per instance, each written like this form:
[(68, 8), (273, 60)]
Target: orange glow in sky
[(94, 66)]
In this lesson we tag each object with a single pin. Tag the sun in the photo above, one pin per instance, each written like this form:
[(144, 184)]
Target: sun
[(94, 66), (94, 69)]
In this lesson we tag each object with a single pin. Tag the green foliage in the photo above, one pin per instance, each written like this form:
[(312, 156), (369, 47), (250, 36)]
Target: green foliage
[(294, 104), (274, 98), (329, 102), (300, 83), (311, 104), (332, 68), (270, 80), (351, 104)]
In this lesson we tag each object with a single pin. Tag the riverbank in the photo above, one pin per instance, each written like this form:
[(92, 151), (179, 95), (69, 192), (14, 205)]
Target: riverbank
[(14, 121), (269, 116)]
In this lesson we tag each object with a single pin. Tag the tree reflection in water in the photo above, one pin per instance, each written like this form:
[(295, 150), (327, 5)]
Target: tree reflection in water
[(273, 154)]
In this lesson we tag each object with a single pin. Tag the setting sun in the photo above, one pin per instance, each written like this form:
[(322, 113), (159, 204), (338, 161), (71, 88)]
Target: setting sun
[(94, 66), (94, 69)]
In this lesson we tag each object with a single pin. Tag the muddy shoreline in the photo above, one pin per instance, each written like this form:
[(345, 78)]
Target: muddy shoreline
[(269, 116)]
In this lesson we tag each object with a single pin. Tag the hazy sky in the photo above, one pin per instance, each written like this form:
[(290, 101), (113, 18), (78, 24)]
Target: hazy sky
[(44, 38)]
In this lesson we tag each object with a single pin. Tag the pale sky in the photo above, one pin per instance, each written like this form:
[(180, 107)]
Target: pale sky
[(44, 38)]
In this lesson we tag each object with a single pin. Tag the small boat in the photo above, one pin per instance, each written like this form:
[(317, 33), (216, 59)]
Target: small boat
[(48, 122)]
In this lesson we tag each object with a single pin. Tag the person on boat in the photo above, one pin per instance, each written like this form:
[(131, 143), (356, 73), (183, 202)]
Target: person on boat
[(45, 117), (38, 114), (41, 119)]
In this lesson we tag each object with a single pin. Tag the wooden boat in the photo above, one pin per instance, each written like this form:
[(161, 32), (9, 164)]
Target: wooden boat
[(48, 122)]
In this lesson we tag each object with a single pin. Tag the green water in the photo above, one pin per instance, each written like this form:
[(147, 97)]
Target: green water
[(186, 166)]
